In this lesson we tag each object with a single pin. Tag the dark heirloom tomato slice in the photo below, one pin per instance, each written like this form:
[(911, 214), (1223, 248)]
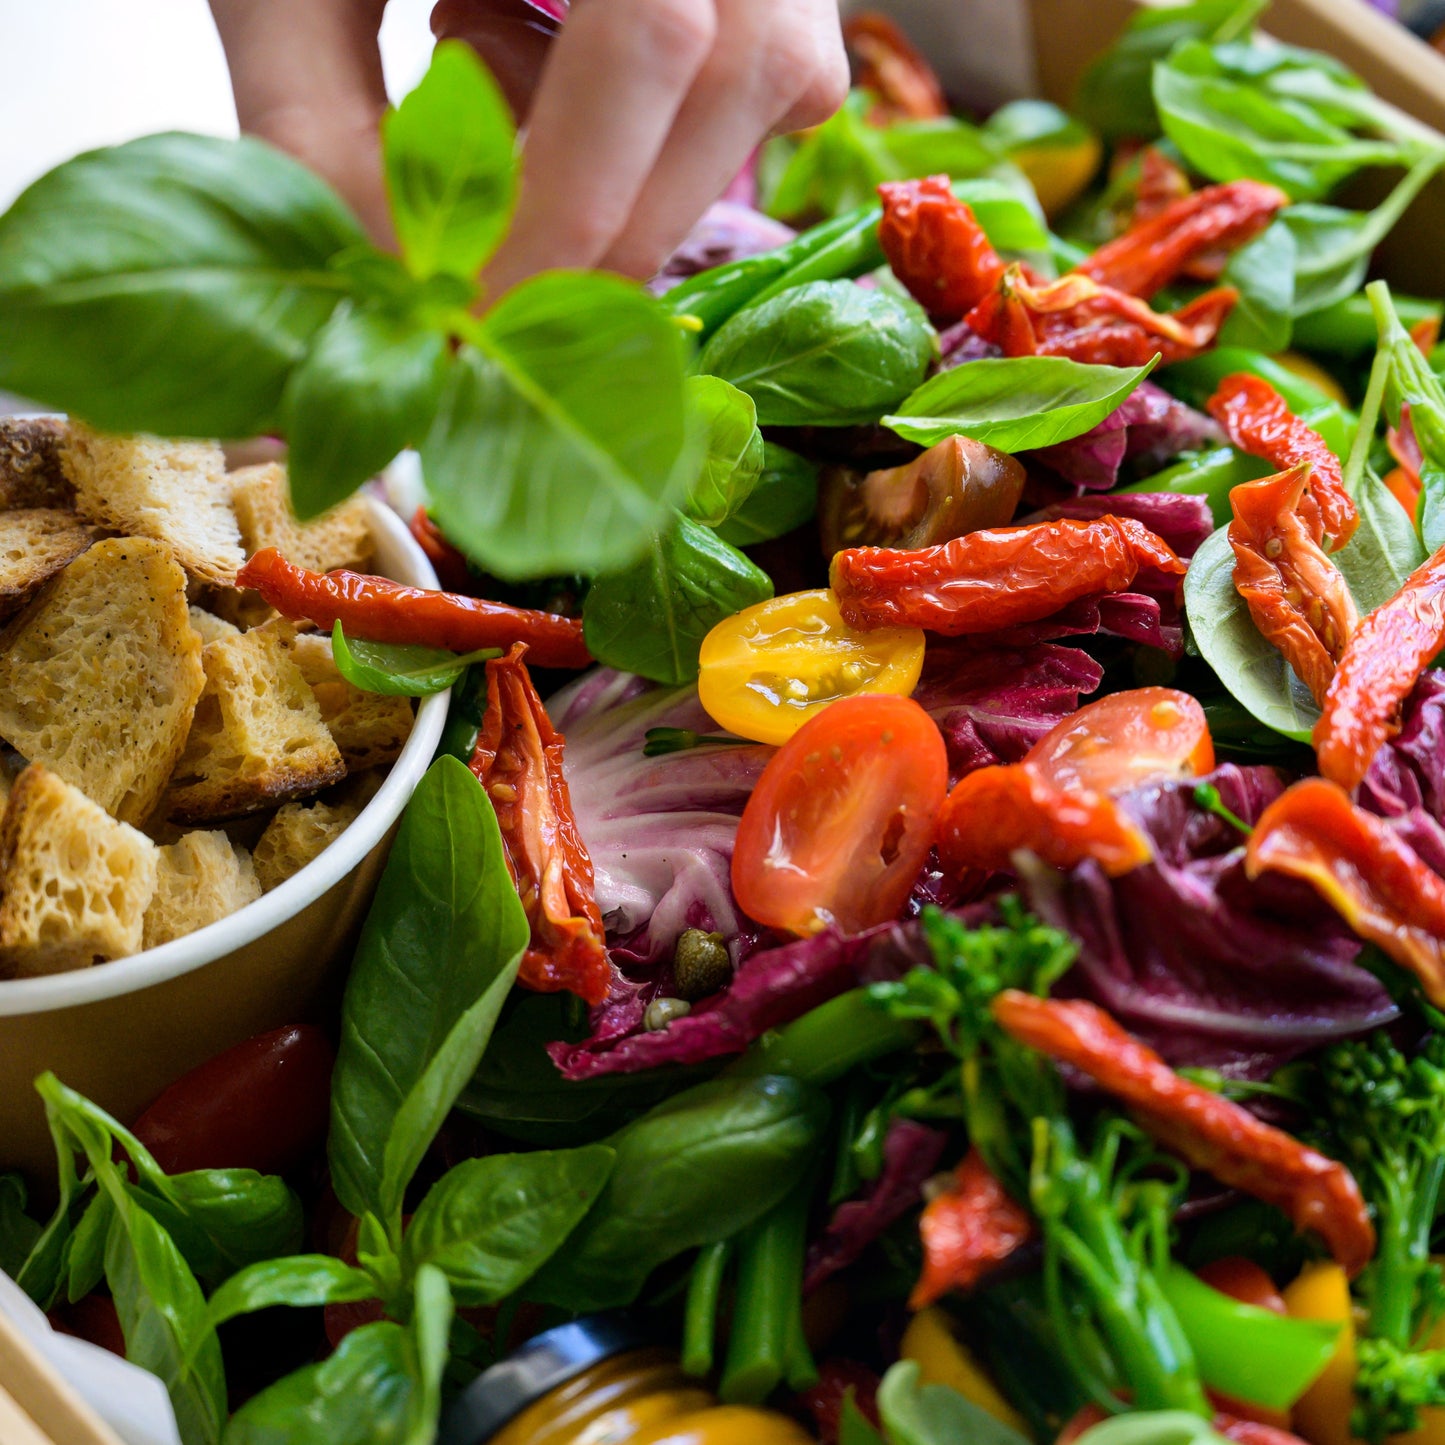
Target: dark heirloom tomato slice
[(842, 818)]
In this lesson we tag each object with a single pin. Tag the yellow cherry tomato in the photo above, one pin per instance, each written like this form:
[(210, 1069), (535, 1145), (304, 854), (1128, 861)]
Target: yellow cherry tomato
[(1056, 153), (942, 1359), (1314, 373), (1322, 1413), (769, 668)]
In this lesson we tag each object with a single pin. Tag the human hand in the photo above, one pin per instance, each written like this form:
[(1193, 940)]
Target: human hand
[(637, 113)]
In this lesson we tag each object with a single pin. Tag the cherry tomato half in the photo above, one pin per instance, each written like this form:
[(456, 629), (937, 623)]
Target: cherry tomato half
[(769, 668), (1244, 1280), (1125, 739), (842, 818)]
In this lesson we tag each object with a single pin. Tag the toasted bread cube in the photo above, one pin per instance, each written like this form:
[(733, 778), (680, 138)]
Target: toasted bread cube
[(209, 627), (200, 878), (261, 497), (257, 738), (175, 492), (35, 544), (74, 883), (31, 474), (241, 607), (100, 675), (298, 833), (370, 729)]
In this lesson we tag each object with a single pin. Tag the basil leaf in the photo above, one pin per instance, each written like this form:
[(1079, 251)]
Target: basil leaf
[(448, 151), (1263, 272), (431, 1322), (300, 1280), (18, 1231), (489, 1224), (786, 496), (569, 402), (46, 1265), (917, 1414), (169, 285), (1384, 550), (835, 168), (361, 1395), (827, 352), (400, 669), (368, 387), (1015, 403), (1250, 667), (733, 455), (651, 617), (445, 933), (85, 1250)]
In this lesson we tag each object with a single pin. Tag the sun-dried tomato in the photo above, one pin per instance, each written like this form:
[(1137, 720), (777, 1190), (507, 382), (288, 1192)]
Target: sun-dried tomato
[(936, 248), (1161, 183), (900, 78), (450, 565), (1258, 420), (1378, 668), (1207, 223), (1205, 1129), (1076, 317), (518, 760), (1297, 596), (997, 578), (967, 1229), (1363, 868)]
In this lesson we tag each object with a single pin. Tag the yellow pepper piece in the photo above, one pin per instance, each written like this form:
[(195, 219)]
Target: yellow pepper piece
[(1313, 373), (944, 1360), (1322, 1413)]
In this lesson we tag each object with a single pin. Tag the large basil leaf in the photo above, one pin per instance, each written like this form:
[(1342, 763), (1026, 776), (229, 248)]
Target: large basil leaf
[(562, 437), (785, 496), (732, 454), (827, 352), (651, 617), (438, 953), (489, 1224), (298, 1280), (1015, 403), (169, 285), (918, 1414), (448, 154), (400, 669)]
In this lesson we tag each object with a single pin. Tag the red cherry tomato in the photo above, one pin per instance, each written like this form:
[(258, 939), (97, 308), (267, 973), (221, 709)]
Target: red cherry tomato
[(263, 1105), (1244, 1280), (842, 818)]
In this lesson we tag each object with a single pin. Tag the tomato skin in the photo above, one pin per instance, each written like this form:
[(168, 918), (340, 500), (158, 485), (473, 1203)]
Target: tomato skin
[(1244, 1280), (772, 666), (842, 818), (262, 1105)]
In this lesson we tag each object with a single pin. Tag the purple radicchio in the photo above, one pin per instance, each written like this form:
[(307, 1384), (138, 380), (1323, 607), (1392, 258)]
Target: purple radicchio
[(1211, 969), (1406, 780), (727, 231), (1183, 521)]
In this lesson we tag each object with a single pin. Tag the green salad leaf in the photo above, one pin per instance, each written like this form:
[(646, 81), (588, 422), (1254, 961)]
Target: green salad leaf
[(400, 669), (733, 452), (784, 497)]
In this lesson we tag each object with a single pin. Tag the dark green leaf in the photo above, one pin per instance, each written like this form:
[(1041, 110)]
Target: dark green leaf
[(651, 617), (569, 403), (733, 454), (785, 496), (169, 285), (828, 352), (298, 1280), (916, 1414), (18, 1231), (448, 153), (400, 669), (45, 1267), (1015, 403), (1263, 272), (438, 952), (367, 388)]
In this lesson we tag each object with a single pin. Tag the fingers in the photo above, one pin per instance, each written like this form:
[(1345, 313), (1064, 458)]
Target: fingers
[(307, 77), (512, 36)]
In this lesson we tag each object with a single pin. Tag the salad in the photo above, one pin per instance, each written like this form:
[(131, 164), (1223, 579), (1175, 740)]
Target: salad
[(960, 949)]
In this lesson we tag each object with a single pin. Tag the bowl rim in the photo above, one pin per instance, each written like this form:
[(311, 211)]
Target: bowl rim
[(225, 936)]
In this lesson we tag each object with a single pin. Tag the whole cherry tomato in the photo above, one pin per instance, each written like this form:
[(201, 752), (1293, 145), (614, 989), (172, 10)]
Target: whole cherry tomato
[(263, 1105), (842, 818), (769, 668)]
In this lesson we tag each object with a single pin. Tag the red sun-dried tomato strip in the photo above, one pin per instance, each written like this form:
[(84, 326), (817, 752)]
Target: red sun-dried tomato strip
[(888, 64)]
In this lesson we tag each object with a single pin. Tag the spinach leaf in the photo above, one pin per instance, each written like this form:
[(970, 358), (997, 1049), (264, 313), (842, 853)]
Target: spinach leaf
[(1384, 550), (368, 387), (431, 1321), (1015, 403), (438, 953), (568, 400), (300, 1279), (733, 456), (489, 1224), (694, 1170), (1251, 667), (18, 1231), (918, 1414), (827, 352), (169, 285), (361, 1395), (447, 150), (651, 617), (1263, 272), (400, 669), (785, 496)]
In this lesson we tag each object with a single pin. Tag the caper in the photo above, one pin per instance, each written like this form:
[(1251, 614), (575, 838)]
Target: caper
[(662, 1011), (700, 963)]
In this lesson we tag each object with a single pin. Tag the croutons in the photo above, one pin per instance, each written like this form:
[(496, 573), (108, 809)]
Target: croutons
[(100, 675), (30, 471), (200, 878), (262, 501), (175, 492), (74, 883), (209, 627), (257, 738), (298, 833), (35, 544), (369, 728)]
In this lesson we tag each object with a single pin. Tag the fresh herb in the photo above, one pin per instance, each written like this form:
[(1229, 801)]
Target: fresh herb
[(733, 454), (1206, 796), (400, 669), (784, 497), (917, 1414)]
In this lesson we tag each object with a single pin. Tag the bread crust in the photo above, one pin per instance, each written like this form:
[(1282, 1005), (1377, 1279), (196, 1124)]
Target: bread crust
[(31, 473), (35, 544)]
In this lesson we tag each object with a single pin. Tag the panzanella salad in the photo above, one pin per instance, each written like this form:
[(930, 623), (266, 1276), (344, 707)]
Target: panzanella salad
[(933, 892)]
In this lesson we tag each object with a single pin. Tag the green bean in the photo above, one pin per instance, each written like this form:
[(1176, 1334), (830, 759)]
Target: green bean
[(1347, 328), (826, 1042), (1211, 474), (1195, 380), (704, 1293)]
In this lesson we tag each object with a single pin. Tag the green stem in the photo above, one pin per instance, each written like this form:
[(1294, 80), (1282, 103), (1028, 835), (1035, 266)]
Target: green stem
[(826, 1042), (1369, 410), (704, 1292)]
